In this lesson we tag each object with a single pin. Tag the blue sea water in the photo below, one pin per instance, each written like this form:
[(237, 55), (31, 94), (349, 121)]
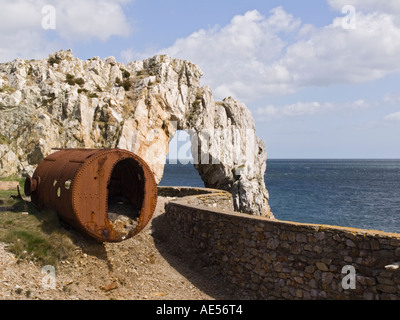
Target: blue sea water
[(350, 193)]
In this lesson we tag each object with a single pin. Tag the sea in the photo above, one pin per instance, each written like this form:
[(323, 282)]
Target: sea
[(349, 193)]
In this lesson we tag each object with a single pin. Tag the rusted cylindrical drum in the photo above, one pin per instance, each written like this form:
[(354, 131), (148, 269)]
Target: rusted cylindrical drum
[(109, 194)]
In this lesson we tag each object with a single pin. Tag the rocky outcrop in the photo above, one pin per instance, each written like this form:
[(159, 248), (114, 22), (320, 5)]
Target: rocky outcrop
[(64, 102)]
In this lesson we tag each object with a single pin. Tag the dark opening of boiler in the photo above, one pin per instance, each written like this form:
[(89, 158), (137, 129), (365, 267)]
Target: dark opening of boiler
[(125, 195)]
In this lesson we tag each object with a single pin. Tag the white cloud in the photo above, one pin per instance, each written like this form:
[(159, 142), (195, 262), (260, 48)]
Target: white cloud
[(332, 54), (393, 117), (383, 6), (22, 34), (251, 57), (290, 110), (240, 58), (131, 54), (392, 98), (91, 19), (19, 15), (25, 44), (297, 109), (359, 104)]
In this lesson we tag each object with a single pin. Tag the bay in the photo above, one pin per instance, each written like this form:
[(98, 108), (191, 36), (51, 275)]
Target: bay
[(351, 193)]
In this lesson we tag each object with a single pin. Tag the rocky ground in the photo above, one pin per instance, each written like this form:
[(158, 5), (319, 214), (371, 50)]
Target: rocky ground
[(153, 265)]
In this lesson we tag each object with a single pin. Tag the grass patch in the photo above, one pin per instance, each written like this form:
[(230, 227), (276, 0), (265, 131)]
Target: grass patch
[(93, 95), (140, 73), (89, 94), (20, 180), (4, 139), (38, 236), (80, 81), (125, 84), (125, 73), (71, 80), (80, 90), (54, 60), (7, 89)]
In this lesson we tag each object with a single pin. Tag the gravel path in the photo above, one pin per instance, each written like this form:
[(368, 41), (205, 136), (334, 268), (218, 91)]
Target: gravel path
[(148, 266)]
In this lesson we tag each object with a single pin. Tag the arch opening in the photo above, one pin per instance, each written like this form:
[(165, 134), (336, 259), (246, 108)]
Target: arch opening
[(179, 168), (125, 195)]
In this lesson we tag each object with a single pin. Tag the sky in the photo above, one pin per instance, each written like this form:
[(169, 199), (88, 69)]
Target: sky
[(321, 78)]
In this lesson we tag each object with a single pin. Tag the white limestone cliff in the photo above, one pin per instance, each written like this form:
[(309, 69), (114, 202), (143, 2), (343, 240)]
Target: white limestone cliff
[(64, 102)]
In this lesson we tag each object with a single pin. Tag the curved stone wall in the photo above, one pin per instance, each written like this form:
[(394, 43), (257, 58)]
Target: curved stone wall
[(275, 259)]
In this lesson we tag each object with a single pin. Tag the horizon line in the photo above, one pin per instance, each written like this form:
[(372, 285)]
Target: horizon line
[(283, 158)]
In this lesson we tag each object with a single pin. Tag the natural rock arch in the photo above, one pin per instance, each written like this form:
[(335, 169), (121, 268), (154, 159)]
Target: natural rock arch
[(64, 102)]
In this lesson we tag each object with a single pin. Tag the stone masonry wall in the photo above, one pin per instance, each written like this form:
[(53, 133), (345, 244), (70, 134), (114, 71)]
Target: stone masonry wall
[(284, 260)]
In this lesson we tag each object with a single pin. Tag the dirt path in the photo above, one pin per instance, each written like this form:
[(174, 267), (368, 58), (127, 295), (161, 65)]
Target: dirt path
[(148, 266)]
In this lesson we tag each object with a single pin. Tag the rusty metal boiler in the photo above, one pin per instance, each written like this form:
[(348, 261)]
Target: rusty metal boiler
[(109, 194)]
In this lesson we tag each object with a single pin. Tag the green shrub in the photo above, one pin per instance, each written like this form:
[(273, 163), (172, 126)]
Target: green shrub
[(52, 60), (70, 79), (7, 89), (125, 73), (80, 81), (4, 139), (126, 85)]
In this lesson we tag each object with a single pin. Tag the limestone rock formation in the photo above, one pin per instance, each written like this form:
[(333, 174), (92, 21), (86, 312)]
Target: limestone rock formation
[(64, 102)]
